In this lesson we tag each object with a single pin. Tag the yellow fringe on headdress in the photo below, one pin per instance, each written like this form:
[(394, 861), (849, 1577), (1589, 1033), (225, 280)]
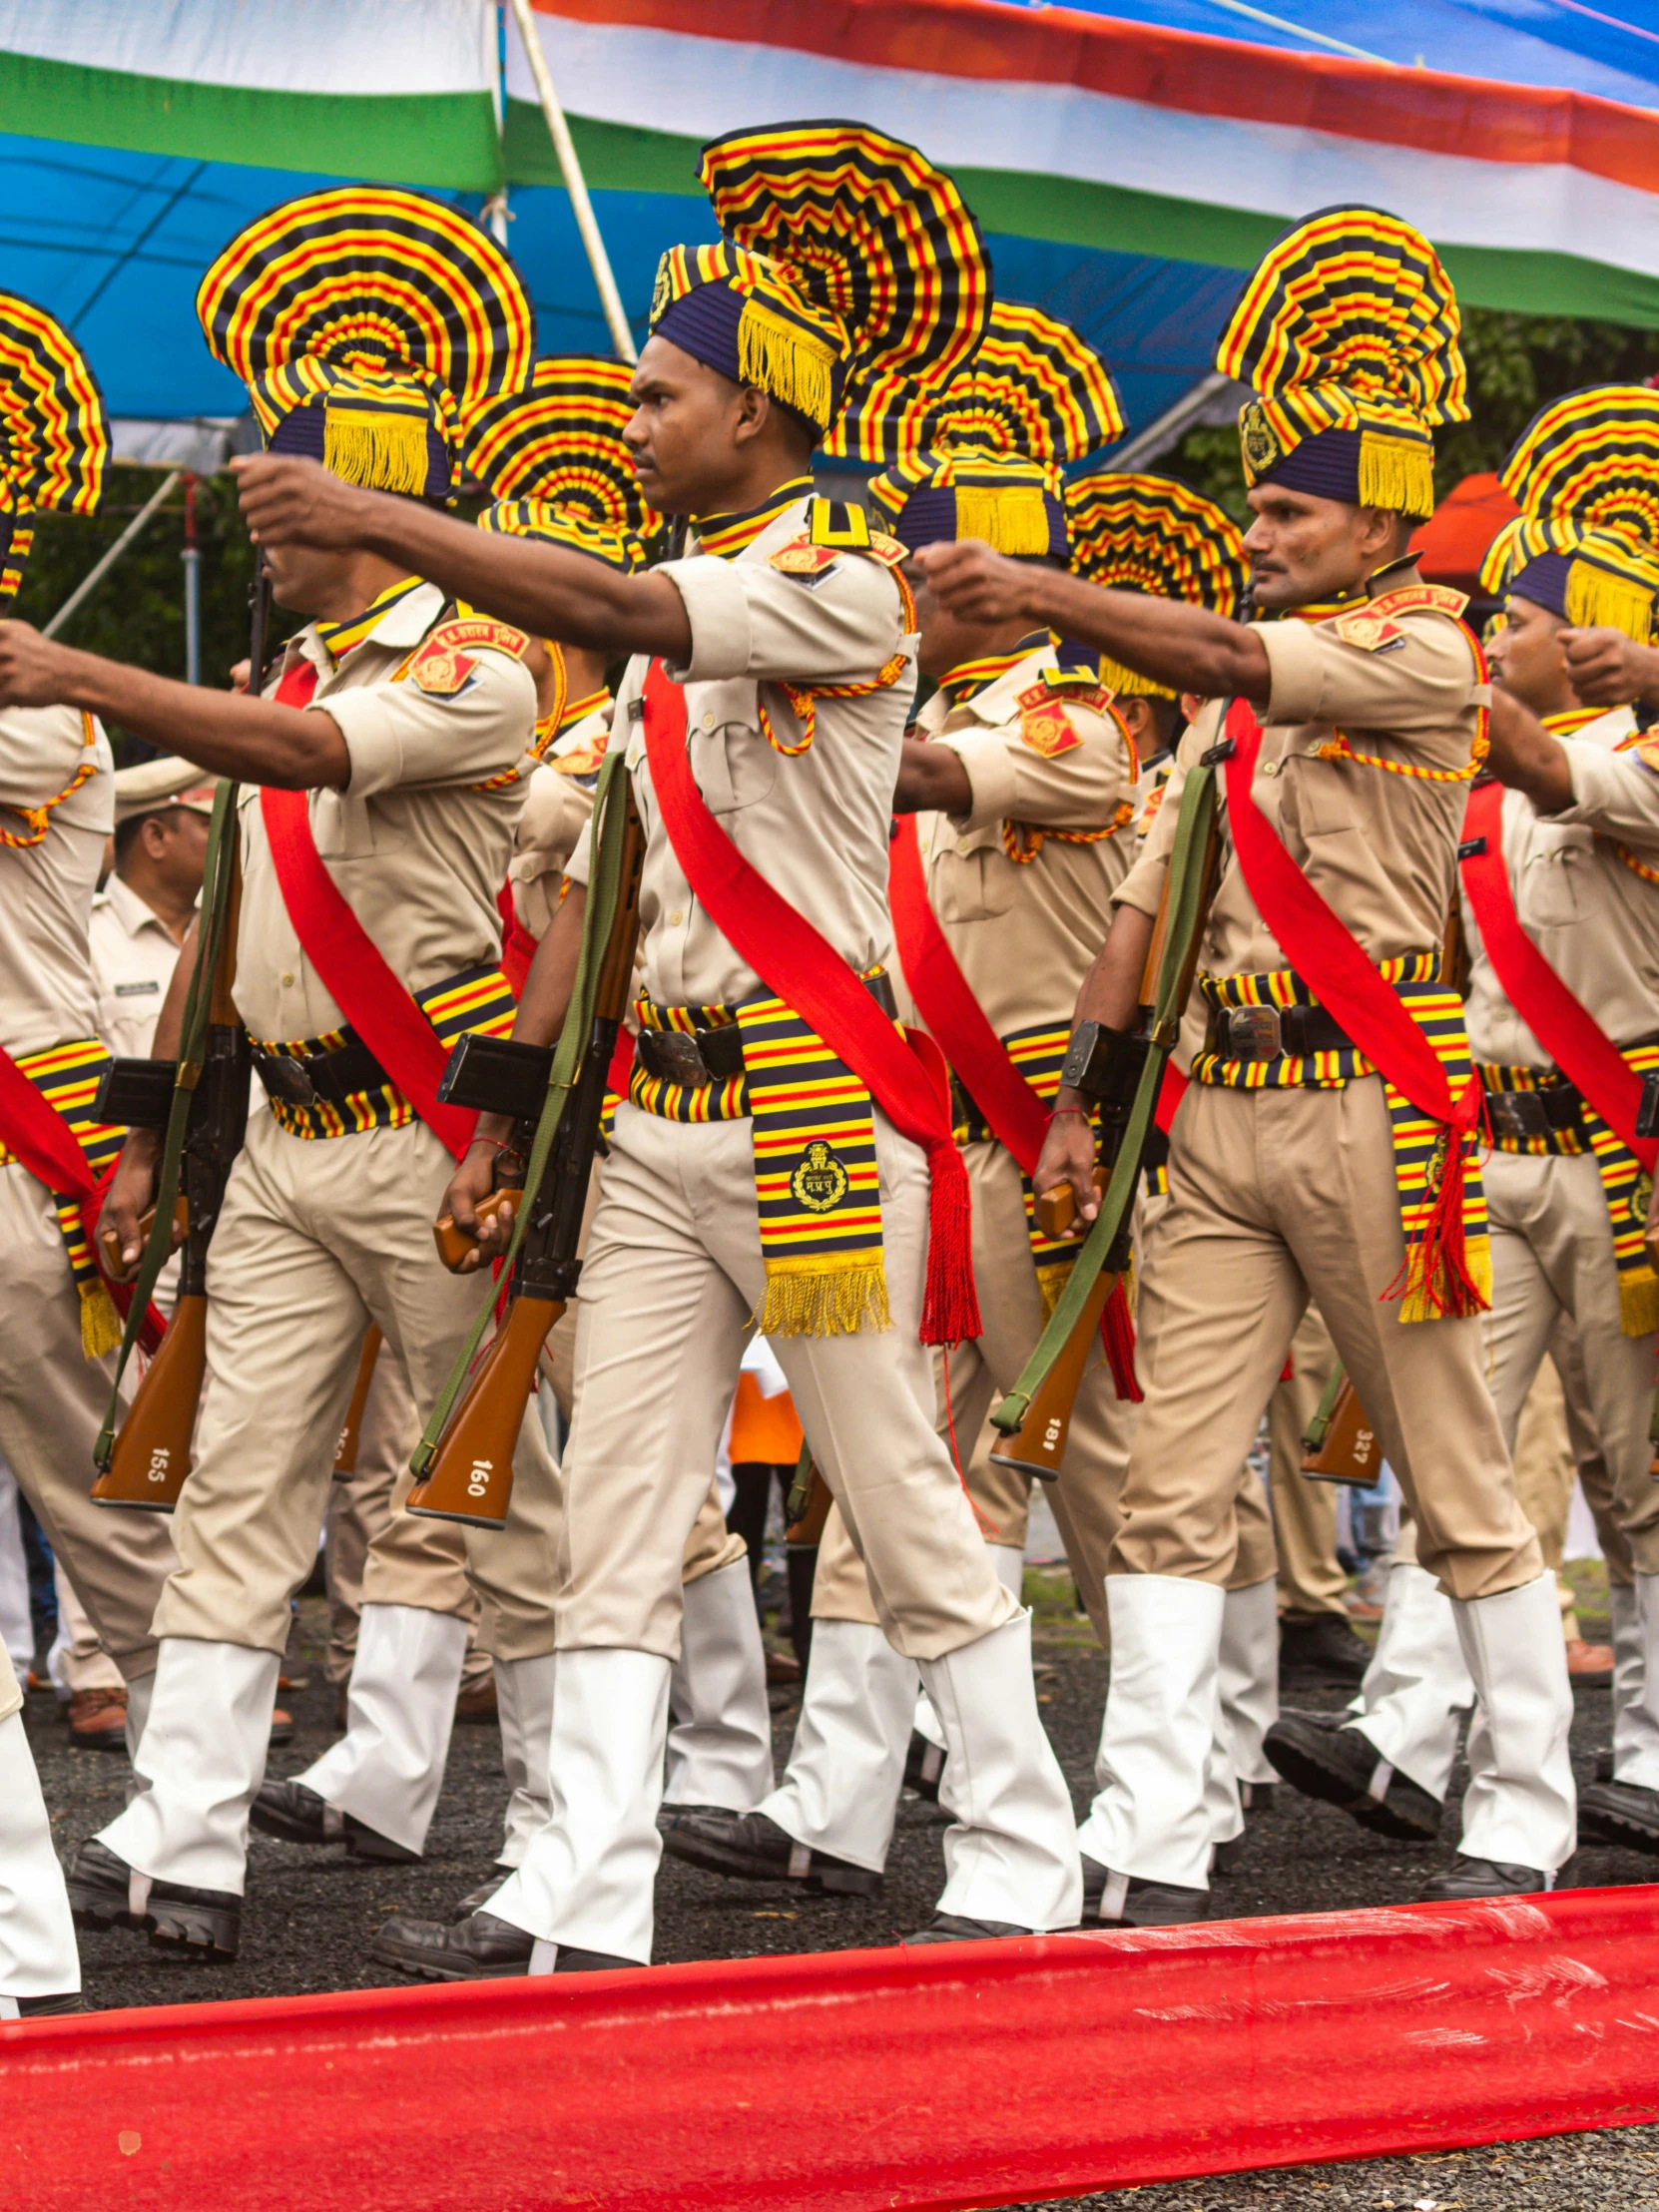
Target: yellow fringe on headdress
[(100, 1323), (1010, 518), (777, 356), (1397, 473), (1128, 683), (1596, 599), (377, 448)]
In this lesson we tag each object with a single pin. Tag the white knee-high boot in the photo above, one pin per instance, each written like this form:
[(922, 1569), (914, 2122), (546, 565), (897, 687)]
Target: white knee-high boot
[(524, 1707), (38, 1958), (1150, 1821), (387, 1769), (137, 1712), (1520, 1808), (1417, 1682), (1010, 1563), (1012, 1854), (1628, 1668), (586, 1880), (1636, 1729), (720, 1732), (202, 1757), (1247, 1678), (840, 1790)]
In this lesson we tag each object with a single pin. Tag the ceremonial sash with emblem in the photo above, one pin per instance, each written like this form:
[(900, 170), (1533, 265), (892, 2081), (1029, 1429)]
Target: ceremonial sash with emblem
[(1404, 1026), (818, 1056), (1608, 1076)]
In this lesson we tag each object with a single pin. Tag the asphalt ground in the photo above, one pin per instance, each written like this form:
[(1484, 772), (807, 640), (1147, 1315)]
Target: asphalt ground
[(312, 1912)]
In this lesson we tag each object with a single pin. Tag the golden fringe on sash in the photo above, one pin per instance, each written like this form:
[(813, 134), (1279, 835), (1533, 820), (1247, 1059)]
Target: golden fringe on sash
[(100, 1323)]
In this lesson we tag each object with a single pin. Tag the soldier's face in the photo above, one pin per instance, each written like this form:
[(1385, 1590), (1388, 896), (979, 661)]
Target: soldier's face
[(1303, 549), (689, 430), (305, 578), (1528, 661)]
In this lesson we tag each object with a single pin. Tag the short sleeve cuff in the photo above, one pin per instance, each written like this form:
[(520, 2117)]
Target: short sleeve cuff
[(1296, 671), (717, 608), (1143, 886), (371, 739), (992, 773)]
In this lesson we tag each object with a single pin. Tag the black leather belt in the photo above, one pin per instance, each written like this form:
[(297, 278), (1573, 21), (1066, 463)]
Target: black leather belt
[(1273, 1032), (319, 1078), (1519, 1115), (693, 1057)]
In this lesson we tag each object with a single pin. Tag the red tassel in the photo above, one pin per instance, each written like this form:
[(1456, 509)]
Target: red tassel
[(951, 1302), (1286, 1373), (1448, 1289), (1117, 1333)]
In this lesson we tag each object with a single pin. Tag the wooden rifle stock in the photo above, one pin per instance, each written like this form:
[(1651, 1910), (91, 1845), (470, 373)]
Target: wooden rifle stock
[(1341, 1445), (345, 1452), (807, 1506), (1038, 1446), (470, 1476), (150, 1459)]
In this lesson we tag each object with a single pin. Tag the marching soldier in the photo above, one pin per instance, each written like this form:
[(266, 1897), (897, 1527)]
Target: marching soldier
[(57, 796), (391, 756), (779, 1140), (1561, 917), (1294, 1171)]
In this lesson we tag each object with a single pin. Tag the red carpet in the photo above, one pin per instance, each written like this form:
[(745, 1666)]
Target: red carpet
[(967, 2076)]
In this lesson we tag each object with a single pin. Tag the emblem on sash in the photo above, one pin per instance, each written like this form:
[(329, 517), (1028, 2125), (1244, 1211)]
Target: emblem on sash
[(820, 1183)]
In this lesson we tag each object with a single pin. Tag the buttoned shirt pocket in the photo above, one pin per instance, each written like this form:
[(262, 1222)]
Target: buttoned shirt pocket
[(347, 828), (972, 878), (1550, 895), (734, 763), (1323, 795)]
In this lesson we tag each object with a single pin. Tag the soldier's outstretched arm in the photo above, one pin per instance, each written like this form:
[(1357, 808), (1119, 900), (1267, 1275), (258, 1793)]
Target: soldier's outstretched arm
[(1185, 647), (540, 588), (228, 733), (1526, 756)]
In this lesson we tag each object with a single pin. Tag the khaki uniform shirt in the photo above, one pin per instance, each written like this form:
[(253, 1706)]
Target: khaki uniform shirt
[(1380, 847), (1594, 920), (47, 995), (1024, 935), (558, 806), (133, 959), (816, 825), (415, 843)]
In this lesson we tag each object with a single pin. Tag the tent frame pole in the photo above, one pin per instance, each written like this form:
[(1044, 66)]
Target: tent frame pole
[(94, 576), (558, 130)]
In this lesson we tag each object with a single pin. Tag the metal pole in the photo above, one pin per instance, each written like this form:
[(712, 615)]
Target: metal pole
[(558, 130), (95, 575), (192, 557)]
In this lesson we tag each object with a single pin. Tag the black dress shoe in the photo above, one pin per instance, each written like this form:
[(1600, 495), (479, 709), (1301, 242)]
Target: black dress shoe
[(1482, 1878), (1341, 1766), (476, 1899), (300, 1816), (570, 1960), (1144, 1903), (1322, 1648), (1620, 1813), (668, 1816), (35, 2009), (103, 1894), (923, 1765), (756, 1849), (951, 1928), (479, 1949)]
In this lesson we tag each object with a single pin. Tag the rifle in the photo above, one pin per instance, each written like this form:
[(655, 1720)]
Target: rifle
[(1124, 1070), (1341, 1445), (200, 1100), (464, 1462), (807, 1506), (345, 1452)]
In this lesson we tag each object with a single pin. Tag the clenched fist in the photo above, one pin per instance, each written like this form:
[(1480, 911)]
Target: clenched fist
[(294, 502)]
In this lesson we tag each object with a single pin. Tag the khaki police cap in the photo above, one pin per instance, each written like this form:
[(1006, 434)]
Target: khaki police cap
[(169, 782)]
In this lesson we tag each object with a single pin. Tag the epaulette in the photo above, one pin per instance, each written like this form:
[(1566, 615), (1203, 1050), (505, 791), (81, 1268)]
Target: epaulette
[(1044, 724), (833, 527), (1373, 626), (1081, 686), (442, 663)]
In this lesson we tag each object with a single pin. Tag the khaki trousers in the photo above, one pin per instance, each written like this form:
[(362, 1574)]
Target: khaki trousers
[(1552, 1257), (314, 1240), (1275, 1197), (1311, 1579), (1085, 1498), (672, 1275), (52, 1403)]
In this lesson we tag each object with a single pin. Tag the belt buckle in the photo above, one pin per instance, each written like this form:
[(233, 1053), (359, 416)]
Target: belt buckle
[(1253, 1034), (1518, 1114), (678, 1056), (285, 1079)]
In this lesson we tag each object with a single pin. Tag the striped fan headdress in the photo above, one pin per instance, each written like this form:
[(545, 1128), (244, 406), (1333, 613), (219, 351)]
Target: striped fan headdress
[(848, 261), (552, 459), (1585, 545), (54, 431), (984, 458), (1347, 333), (1151, 534), (367, 323)]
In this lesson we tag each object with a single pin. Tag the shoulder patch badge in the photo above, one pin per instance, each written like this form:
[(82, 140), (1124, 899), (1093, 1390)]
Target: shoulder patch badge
[(802, 556), (586, 759), (1044, 724), (1367, 629), (444, 665), (1440, 599)]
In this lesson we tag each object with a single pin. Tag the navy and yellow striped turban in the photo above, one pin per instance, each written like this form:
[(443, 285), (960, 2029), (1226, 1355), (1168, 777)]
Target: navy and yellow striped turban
[(984, 459), (848, 261), (367, 323), (1347, 333), (1153, 535), (553, 461), (54, 431), (1585, 545)]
